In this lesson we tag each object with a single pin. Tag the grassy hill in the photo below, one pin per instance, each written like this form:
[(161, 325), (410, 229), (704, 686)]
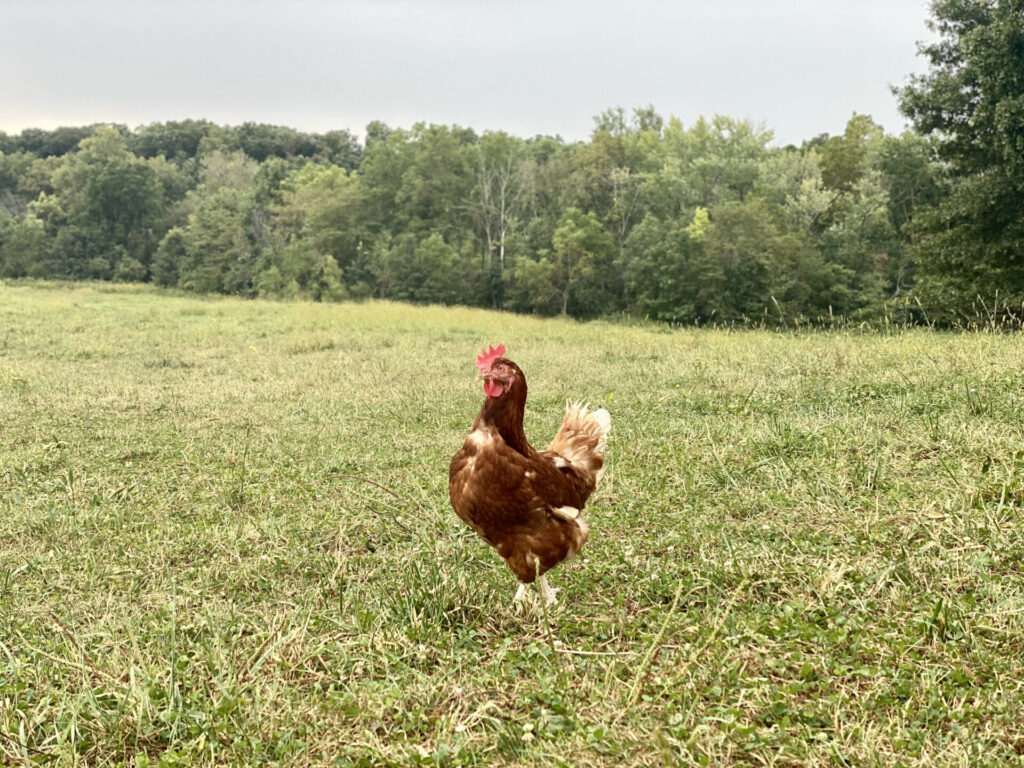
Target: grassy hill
[(225, 539)]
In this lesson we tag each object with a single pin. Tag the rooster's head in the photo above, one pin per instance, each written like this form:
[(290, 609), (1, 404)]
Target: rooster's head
[(497, 372)]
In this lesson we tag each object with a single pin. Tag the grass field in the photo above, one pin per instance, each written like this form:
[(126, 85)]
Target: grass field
[(225, 539)]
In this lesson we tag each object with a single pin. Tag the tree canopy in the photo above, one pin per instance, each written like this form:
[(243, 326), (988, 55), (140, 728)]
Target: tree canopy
[(970, 245)]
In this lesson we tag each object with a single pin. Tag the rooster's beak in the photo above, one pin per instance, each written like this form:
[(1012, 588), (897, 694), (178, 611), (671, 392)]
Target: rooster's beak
[(483, 376)]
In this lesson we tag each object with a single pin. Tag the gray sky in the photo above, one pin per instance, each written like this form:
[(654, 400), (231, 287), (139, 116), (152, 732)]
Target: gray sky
[(801, 67)]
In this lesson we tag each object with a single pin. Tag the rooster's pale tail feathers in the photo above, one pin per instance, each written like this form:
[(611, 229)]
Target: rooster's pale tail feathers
[(582, 437)]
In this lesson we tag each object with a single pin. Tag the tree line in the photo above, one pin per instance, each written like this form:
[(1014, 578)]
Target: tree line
[(706, 223)]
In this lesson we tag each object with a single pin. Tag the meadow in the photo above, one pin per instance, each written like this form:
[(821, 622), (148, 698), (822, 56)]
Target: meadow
[(225, 539)]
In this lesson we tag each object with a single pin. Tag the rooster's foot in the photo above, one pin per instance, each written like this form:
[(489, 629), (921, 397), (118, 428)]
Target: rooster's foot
[(547, 592), (521, 599)]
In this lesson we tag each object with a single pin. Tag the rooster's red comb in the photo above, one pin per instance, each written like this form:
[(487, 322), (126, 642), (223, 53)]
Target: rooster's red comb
[(488, 356)]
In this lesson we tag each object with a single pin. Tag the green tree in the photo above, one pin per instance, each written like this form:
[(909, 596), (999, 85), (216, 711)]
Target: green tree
[(733, 271), (321, 204), (914, 183), (862, 239), (384, 164), (972, 101), (214, 244), (340, 148), (421, 271), (129, 270), (300, 270), (437, 180), (260, 141), (177, 141), (37, 177), (497, 202), (14, 171), (169, 258), (534, 286), (23, 246), (845, 159), (435, 275), (659, 275), (55, 143), (580, 274), (220, 255), (614, 170), (112, 202), (715, 161)]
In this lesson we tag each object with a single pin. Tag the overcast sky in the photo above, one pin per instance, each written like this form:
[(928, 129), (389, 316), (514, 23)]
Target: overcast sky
[(801, 67)]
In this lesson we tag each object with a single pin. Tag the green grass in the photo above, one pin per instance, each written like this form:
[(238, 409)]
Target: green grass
[(807, 550)]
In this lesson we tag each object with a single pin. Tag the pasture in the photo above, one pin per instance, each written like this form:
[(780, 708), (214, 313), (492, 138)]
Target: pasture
[(225, 539)]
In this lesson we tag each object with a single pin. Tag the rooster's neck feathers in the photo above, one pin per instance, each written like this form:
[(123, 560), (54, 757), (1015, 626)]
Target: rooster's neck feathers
[(505, 414)]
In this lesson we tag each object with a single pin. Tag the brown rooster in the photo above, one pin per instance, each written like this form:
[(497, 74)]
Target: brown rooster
[(523, 502)]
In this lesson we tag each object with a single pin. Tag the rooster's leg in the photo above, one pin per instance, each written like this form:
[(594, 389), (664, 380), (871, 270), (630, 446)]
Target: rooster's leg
[(520, 598), (547, 593)]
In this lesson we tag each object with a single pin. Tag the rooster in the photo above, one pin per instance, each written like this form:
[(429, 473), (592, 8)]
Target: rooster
[(526, 503)]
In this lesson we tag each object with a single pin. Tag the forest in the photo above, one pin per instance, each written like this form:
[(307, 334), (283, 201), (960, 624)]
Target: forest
[(707, 223)]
